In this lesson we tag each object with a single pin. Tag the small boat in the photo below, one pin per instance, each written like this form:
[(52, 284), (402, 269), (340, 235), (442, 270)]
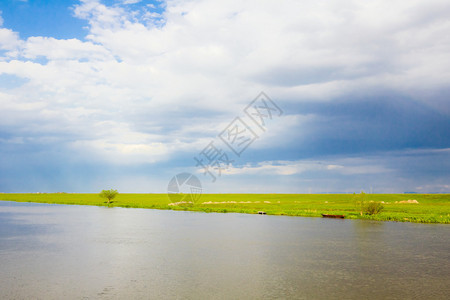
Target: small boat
[(333, 216)]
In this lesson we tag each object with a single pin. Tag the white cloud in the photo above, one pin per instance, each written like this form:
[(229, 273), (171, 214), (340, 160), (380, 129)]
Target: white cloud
[(54, 49), (131, 1), (208, 59), (9, 41), (118, 153), (353, 166)]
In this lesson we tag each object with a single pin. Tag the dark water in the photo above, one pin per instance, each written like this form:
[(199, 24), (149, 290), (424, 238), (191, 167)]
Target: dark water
[(83, 252)]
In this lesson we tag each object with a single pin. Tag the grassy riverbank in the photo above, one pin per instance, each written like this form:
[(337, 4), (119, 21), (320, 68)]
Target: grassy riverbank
[(431, 208)]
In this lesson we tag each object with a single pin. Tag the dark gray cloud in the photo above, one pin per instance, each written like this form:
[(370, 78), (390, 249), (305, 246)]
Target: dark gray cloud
[(385, 122)]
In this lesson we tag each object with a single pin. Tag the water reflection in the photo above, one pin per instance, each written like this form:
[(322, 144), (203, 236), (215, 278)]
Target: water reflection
[(56, 251)]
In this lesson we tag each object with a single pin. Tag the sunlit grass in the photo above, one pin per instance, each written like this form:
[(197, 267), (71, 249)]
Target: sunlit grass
[(432, 208)]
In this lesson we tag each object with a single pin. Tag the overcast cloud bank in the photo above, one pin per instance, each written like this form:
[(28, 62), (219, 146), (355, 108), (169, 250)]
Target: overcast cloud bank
[(364, 87)]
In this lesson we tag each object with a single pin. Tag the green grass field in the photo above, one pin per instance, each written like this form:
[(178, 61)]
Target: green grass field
[(432, 208)]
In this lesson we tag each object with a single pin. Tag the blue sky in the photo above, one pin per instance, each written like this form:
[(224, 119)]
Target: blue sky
[(124, 94)]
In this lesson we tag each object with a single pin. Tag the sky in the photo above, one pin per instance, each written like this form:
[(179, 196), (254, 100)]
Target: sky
[(250, 96)]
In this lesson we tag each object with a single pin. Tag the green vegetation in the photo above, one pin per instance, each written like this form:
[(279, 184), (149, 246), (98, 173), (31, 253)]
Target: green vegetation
[(422, 208), (373, 208), (364, 206), (108, 195)]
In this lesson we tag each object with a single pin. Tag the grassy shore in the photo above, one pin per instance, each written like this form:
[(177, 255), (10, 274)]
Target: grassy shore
[(431, 208)]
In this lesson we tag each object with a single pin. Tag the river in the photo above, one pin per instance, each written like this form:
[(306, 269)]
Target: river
[(85, 252)]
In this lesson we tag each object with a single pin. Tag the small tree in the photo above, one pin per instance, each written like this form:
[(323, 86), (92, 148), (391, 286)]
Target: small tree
[(108, 194), (360, 201)]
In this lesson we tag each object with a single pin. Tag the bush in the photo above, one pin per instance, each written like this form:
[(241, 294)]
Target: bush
[(372, 208), (366, 207)]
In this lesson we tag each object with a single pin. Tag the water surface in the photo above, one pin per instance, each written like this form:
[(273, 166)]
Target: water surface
[(85, 252)]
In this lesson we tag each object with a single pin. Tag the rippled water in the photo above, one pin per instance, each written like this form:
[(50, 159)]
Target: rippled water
[(59, 251)]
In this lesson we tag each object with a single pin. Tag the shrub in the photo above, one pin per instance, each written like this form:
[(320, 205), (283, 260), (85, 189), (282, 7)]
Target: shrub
[(366, 207), (372, 208)]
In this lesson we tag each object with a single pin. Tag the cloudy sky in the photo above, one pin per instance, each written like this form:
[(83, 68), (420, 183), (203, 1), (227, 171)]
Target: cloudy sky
[(125, 94)]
